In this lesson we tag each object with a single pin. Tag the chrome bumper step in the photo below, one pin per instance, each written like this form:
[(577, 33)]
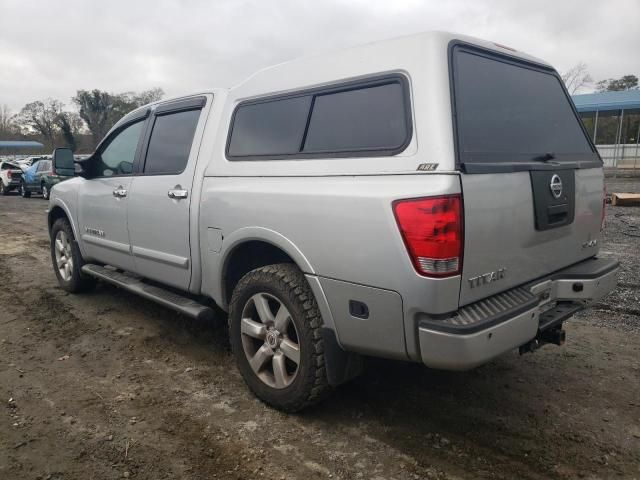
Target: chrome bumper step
[(137, 285)]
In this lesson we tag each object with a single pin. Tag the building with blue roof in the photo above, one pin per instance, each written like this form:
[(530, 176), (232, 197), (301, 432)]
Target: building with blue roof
[(13, 144), (613, 122)]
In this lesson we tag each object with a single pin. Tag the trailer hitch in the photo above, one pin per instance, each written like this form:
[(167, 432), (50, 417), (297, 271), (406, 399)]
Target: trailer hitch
[(556, 335)]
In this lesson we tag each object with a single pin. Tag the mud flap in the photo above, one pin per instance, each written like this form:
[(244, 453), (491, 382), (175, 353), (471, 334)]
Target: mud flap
[(341, 366)]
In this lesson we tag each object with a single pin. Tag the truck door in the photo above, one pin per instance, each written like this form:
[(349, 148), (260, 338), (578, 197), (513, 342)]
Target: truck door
[(158, 210), (31, 175), (43, 168), (103, 197)]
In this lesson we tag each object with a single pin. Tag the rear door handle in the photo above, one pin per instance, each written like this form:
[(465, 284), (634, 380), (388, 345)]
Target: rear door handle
[(177, 193), (120, 192)]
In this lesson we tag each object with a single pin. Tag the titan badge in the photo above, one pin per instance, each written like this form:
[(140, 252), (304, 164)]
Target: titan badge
[(487, 278), (94, 231)]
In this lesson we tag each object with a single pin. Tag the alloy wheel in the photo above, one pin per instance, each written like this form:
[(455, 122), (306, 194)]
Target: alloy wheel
[(64, 258), (270, 340)]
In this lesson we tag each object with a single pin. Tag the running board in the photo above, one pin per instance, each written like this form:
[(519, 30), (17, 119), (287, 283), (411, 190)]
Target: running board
[(137, 285)]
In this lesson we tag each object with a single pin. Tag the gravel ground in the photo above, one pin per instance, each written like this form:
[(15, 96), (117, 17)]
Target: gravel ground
[(621, 239), (106, 385)]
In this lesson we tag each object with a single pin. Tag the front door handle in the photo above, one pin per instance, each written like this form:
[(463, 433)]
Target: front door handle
[(177, 193), (120, 192)]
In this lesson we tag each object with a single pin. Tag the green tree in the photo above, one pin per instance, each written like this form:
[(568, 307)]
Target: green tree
[(626, 82), (101, 110), (96, 109), (70, 124)]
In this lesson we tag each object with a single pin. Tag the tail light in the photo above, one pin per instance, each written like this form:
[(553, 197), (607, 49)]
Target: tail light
[(604, 208), (9, 174), (432, 232), (53, 170)]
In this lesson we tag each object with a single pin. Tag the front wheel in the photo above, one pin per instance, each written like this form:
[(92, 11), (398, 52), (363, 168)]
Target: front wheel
[(67, 259), (45, 191), (275, 331), (23, 191)]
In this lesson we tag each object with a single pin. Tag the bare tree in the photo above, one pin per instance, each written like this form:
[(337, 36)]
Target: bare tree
[(41, 117), (577, 77), (8, 125), (136, 100)]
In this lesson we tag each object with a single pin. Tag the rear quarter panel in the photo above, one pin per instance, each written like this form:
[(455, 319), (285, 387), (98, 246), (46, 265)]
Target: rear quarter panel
[(341, 227)]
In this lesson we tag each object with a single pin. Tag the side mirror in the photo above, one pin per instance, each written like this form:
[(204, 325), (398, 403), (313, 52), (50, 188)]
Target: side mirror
[(83, 165), (63, 162)]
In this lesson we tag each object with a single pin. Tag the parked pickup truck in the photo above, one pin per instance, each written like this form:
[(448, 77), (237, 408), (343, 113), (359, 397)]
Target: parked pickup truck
[(10, 174), (433, 198)]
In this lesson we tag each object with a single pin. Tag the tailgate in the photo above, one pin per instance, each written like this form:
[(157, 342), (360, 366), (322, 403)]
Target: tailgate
[(508, 241)]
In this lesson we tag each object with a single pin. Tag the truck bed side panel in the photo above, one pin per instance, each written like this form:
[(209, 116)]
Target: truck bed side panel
[(342, 225)]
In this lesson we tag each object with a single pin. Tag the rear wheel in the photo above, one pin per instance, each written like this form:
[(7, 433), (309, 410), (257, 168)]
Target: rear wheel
[(67, 259), (3, 190), (45, 191), (23, 191), (275, 331)]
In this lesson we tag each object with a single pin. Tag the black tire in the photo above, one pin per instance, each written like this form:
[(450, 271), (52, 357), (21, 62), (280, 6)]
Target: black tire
[(3, 190), (286, 283), (78, 281), (45, 191), (24, 193)]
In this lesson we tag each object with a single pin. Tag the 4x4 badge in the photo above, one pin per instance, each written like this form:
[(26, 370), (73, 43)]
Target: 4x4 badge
[(556, 186)]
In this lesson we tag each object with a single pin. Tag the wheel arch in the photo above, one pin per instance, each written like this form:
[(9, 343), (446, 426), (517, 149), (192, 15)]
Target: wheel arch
[(341, 365), (60, 210), (250, 248)]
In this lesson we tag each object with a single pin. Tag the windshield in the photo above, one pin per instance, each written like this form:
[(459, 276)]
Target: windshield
[(509, 112)]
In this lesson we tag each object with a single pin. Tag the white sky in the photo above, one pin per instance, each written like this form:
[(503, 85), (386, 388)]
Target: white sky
[(52, 49)]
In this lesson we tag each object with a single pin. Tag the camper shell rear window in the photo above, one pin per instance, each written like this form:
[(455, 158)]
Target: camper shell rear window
[(510, 112)]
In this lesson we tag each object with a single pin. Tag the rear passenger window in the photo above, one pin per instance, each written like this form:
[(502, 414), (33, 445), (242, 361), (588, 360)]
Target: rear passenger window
[(170, 142), (370, 119), (269, 128)]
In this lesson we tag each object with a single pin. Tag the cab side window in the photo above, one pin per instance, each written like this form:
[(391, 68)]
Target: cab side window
[(170, 142), (118, 156)]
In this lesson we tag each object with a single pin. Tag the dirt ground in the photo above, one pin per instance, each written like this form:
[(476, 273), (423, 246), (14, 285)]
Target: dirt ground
[(106, 385)]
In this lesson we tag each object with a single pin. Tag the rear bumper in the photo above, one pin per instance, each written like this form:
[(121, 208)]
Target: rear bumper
[(490, 327)]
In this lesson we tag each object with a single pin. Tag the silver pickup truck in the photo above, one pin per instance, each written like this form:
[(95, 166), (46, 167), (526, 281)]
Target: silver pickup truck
[(433, 198)]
